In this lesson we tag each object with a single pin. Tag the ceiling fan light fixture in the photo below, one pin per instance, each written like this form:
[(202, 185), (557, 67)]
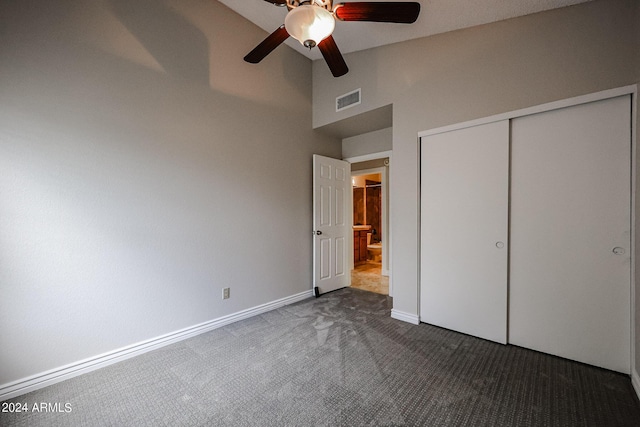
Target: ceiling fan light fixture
[(309, 24)]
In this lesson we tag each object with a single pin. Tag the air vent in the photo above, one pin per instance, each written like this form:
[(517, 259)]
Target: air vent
[(348, 100)]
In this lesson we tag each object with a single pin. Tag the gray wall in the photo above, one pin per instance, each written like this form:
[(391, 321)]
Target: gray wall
[(369, 164), (474, 73), (368, 143), (144, 166)]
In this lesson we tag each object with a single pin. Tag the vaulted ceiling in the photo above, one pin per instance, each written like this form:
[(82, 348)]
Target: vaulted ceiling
[(437, 16)]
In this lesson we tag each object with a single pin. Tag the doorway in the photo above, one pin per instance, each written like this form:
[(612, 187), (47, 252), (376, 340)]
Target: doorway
[(370, 261)]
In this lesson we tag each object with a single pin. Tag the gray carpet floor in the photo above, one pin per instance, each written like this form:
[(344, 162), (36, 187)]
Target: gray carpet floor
[(338, 360)]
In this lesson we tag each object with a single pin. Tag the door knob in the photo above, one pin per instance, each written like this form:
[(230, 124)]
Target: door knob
[(618, 250), (317, 233), (499, 245)]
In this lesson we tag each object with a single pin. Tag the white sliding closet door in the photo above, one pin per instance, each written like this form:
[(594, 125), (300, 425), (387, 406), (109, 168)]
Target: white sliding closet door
[(464, 213), (570, 233)]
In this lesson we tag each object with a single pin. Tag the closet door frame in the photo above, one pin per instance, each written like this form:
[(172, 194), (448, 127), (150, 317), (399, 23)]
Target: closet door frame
[(631, 90)]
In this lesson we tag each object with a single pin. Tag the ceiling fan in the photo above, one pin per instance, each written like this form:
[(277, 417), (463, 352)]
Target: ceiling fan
[(312, 22)]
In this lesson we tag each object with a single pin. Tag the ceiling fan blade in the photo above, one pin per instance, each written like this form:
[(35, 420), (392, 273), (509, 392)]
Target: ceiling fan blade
[(399, 12), (277, 2), (274, 40), (332, 55)]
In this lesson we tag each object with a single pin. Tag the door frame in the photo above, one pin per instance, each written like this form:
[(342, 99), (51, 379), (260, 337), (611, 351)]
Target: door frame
[(386, 219), (631, 90)]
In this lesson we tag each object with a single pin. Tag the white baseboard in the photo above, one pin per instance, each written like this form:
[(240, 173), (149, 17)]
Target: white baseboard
[(635, 381), (43, 379), (405, 317)]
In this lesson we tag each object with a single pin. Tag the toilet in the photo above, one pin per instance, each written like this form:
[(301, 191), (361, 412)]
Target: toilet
[(374, 250)]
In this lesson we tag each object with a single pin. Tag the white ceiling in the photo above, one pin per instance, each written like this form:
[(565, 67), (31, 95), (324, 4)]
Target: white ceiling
[(436, 16)]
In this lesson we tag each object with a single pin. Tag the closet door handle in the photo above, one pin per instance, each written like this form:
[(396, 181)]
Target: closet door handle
[(499, 245)]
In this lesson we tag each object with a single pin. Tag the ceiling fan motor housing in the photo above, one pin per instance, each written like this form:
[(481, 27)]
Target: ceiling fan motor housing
[(291, 4)]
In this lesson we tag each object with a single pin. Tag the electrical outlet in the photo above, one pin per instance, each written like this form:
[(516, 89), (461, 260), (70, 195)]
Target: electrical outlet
[(226, 293)]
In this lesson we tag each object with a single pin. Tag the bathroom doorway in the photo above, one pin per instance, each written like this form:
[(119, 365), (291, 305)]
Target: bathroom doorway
[(370, 226)]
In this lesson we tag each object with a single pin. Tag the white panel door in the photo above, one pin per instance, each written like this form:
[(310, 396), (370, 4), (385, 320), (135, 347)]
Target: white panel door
[(464, 214), (331, 223), (570, 233)]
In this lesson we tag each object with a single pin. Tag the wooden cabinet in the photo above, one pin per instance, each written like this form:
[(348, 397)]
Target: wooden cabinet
[(360, 246)]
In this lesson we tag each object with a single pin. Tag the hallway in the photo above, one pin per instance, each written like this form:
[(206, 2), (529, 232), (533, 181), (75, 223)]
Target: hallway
[(368, 278)]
